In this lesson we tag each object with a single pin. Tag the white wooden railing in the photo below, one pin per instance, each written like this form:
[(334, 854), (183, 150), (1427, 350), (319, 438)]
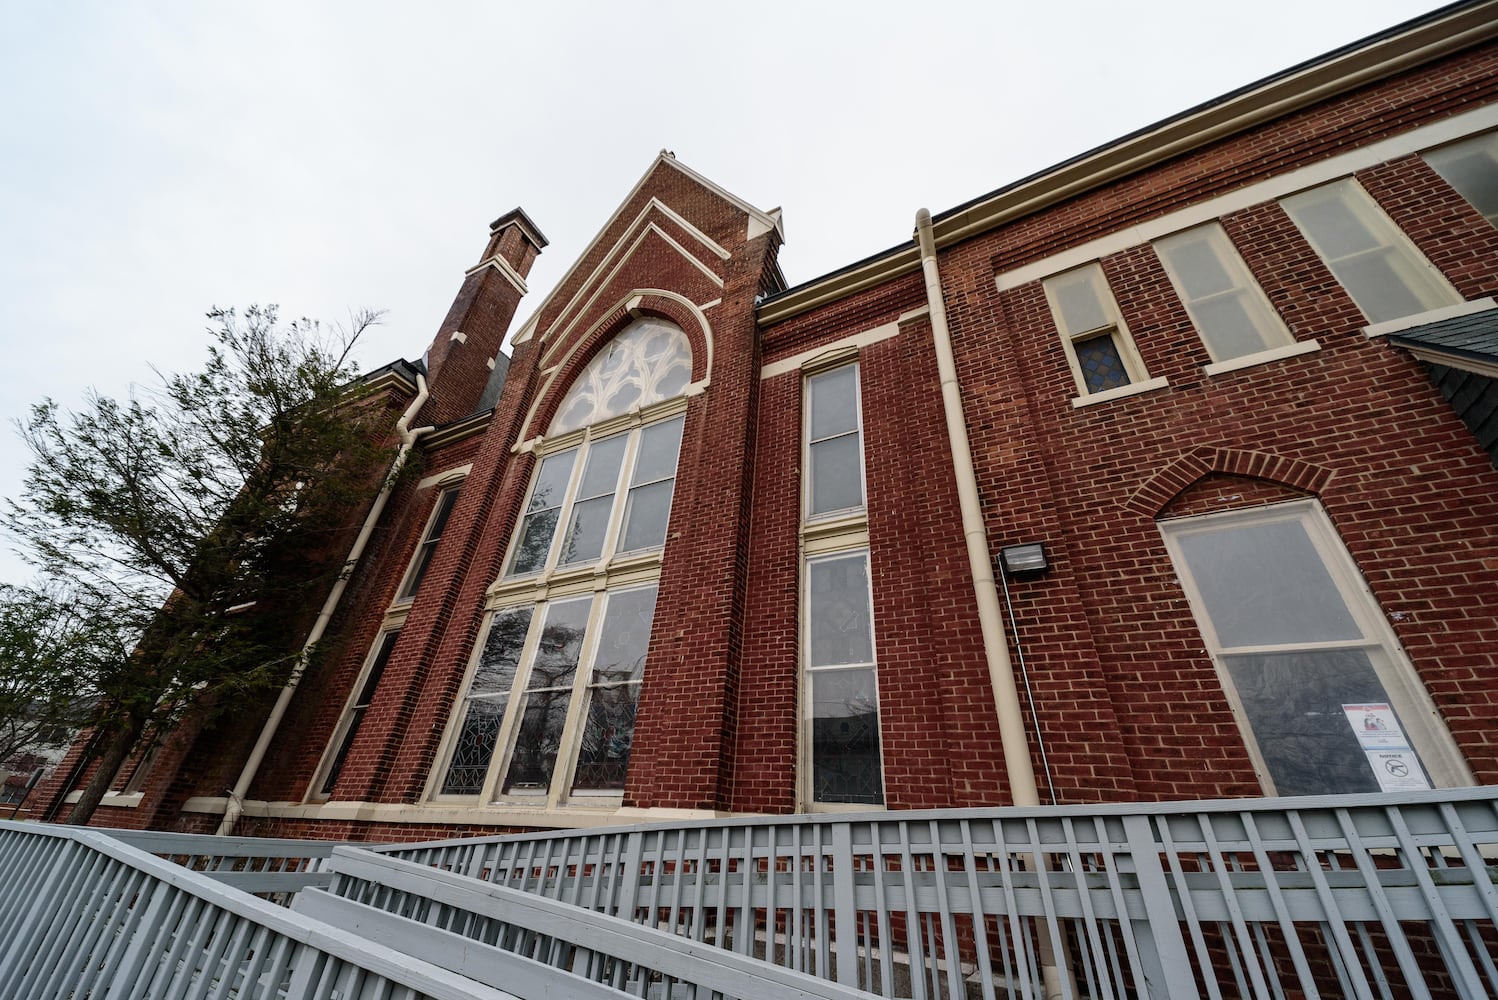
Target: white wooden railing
[(83, 915), (1374, 897)]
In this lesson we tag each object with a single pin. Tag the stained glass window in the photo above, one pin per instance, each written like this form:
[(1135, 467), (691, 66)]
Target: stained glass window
[(649, 361)]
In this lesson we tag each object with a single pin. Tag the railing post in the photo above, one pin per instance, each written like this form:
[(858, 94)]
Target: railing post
[(1162, 949), (844, 908)]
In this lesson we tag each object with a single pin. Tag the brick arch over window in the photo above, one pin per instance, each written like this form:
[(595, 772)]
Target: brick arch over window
[(637, 305), (1157, 493)]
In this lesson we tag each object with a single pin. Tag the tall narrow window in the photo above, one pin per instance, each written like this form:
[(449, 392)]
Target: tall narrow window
[(353, 715), (1472, 168), (428, 547), (842, 683), (548, 712), (834, 442), (1323, 691), (1380, 268), (1096, 341), (1226, 305)]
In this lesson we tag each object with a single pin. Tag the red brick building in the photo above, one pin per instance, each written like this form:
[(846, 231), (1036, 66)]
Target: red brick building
[(704, 543)]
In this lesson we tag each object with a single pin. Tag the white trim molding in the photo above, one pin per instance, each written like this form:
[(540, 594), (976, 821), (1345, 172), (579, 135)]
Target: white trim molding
[(1262, 357), (1132, 389)]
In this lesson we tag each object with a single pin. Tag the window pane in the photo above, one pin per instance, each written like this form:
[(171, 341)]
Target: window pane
[(538, 741), (535, 542), (624, 637), (659, 444), (1078, 301), (1194, 262), (561, 643), (646, 513), (845, 737), (551, 481), (584, 539), (834, 402), (1294, 706), (601, 475), (473, 749), (837, 473), (838, 611), (495, 673), (1265, 584), (1472, 168), (1102, 366), (1380, 286), (608, 734), (1227, 324), (1337, 230)]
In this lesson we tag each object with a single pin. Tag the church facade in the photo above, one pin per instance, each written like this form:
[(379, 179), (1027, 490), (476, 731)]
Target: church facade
[(1167, 473)]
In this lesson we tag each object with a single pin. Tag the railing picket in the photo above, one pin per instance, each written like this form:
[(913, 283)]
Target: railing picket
[(882, 909), (1018, 932), (979, 912), (1182, 894), (1369, 897), (1343, 952), (844, 908)]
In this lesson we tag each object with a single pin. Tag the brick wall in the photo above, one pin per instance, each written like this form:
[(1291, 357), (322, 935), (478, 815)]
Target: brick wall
[(1128, 704)]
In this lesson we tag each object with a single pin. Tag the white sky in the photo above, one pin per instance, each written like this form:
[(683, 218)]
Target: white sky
[(158, 159)]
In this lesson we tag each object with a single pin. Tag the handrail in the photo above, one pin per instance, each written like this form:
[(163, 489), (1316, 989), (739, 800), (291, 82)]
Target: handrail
[(88, 915), (1331, 895)]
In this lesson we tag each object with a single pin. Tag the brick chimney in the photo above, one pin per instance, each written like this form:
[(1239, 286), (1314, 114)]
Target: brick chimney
[(463, 353)]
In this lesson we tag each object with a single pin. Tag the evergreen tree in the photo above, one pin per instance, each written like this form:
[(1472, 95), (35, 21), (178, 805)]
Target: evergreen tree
[(203, 517)]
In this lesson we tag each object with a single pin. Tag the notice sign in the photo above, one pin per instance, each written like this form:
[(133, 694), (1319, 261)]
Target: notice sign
[(1387, 748)]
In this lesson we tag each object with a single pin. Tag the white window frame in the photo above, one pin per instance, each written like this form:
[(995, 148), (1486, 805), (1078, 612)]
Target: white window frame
[(351, 705), (1482, 147), (421, 558), (1267, 323), (559, 794), (827, 535), (826, 549), (1113, 327), (1419, 276), (809, 379), (1427, 734)]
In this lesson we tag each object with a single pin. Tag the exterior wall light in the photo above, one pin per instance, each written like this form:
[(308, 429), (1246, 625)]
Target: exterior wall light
[(1028, 558)]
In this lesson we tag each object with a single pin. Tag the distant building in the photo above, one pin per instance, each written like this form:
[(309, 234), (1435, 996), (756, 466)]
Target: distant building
[(706, 543)]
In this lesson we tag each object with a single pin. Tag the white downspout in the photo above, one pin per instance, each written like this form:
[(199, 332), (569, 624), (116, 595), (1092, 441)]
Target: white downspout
[(235, 806), (1056, 982), (1017, 764)]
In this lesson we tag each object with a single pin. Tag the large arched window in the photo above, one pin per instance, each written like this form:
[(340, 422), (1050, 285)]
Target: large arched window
[(549, 708)]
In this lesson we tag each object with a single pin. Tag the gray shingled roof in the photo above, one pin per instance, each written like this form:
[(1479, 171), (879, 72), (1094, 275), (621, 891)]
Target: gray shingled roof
[(1474, 336)]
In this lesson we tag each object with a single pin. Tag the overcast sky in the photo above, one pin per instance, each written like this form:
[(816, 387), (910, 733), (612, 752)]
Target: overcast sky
[(159, 159)]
